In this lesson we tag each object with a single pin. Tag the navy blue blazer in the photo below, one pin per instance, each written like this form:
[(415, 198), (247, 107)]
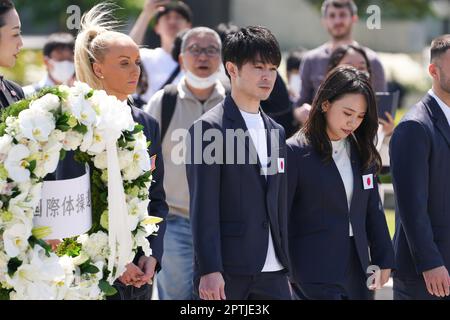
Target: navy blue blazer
[(420, 166), (318, 218), (69, 168), (232, 205)]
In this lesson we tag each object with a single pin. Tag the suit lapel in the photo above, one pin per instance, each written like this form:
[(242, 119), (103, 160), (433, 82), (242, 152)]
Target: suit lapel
[(438, 117), (238, 124)]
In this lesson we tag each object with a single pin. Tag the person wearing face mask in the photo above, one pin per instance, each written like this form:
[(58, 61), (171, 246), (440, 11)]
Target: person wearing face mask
[(58, 59), (177, 107), (10, 45)]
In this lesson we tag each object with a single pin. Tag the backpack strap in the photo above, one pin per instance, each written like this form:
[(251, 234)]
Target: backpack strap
[(168, 103)]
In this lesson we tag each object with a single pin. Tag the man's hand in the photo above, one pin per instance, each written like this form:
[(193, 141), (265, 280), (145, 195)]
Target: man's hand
[(147, 265), (301, 114), (437, 281), (381, 277), (212, 287), (53, 243), (389, 125), (151, 6), (132, 275)]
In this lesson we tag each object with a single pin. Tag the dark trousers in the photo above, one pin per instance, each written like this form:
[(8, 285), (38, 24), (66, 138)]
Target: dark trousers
[(263, 286), (125, 292), (412, 289), (353, 287)]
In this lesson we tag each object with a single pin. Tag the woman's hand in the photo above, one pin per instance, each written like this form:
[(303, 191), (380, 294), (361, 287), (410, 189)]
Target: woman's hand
[(388, 126), (132, 275)]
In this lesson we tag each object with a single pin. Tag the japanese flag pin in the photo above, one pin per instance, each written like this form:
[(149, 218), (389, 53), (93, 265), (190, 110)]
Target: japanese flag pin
[(280, 165), (153, 163), (368, 181)]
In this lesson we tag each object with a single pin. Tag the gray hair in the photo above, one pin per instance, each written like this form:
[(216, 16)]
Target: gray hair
[(197, 31)]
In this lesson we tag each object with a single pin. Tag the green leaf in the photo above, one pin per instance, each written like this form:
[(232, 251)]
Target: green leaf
[(32, 165), (138, 128), (88, 268), (13, 265), (81, 128), (62, 154), (32, 240), (4, 293), (108, 289)]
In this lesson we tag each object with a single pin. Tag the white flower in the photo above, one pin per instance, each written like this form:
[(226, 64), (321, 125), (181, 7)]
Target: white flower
[(100, 161), (5, 146), (95, 245), (16, 165), (36, 125), (140, 164), (16, 239), (72, 140), (82, 110), (125, 158), (141, 241), (48, 160), (80, 89), (137, 210), (48, 102), (93, 142), (13, 127)]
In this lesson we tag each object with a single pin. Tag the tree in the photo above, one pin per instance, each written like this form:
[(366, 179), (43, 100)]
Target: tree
[(39, 11), (401, 9)]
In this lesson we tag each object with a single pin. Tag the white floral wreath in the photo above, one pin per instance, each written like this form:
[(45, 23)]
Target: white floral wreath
[(34, 135)]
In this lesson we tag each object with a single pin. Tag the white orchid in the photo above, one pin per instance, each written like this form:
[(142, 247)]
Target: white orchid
[(5, 146), (72, 140), (48, 102), (94, 141), (82, 110), (137, 210), (16, 239), (95, 245), (16, 165), (36, 124), (140, 164)]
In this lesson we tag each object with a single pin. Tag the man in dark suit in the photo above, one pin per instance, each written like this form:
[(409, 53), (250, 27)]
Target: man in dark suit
[(420, 165), (237, 183)]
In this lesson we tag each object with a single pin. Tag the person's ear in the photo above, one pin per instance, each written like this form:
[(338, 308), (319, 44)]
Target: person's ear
[(180, 61), (232, 69), (433, 70), (97, 70), (325, 106), (48, 64), (355, 19)]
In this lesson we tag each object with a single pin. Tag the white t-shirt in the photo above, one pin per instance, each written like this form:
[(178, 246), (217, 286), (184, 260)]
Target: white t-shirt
[(255, 126), (159, 65), (341, 157)]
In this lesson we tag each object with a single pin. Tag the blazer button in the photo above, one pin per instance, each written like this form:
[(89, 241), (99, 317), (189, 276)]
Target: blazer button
[(265, 225)]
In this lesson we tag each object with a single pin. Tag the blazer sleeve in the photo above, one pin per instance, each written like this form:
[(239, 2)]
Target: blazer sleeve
[(157, 206), (380, 244), (204, 191), (410, 152)]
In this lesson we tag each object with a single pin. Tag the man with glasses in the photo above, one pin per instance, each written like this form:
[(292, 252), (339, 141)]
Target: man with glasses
[(177, 107)]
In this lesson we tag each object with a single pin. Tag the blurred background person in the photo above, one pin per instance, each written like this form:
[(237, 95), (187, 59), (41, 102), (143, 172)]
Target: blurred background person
[(58, 60), (170, 18)]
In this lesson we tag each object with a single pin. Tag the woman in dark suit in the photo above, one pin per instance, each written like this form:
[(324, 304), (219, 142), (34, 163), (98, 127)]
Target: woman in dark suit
[(10, 45), (109, 60), (337, 227)]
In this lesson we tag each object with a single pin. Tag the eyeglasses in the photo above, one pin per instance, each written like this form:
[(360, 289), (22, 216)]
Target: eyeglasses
[(210, 51)]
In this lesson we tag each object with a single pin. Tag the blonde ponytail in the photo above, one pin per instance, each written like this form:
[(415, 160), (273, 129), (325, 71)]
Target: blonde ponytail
[(97, 26)]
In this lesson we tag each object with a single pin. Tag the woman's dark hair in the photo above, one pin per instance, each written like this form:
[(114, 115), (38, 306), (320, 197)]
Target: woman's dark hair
[(339, 82), (5, 6), (340, 52), (176, 48), (142, 85)]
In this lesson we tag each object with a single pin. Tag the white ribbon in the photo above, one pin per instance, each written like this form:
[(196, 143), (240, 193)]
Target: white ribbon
[(120, 241)]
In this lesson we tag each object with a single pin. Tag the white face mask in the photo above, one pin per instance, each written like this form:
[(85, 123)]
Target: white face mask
[(201, 83), (62, 71)]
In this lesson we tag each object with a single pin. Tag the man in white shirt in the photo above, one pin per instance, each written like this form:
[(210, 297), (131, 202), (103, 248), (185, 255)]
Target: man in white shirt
[(198, 92), (169, 18), (237, 184)]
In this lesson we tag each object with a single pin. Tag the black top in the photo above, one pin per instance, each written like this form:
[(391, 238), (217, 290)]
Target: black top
[(10, 92)]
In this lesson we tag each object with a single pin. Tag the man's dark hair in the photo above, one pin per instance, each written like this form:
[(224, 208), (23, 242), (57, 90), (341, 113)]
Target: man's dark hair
[(56, 41), (249, 44), (294, 59), (179, 7), (349, 4), (5, 7), (439, 46)]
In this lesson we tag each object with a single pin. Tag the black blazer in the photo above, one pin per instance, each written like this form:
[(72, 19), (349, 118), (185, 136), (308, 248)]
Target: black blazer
[(420, 166), (13, 94), (318, 220), (232, 205)]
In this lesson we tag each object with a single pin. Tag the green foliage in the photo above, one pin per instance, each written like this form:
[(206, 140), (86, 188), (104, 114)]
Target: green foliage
[(400, 9), (69, 247), (108, 289), (87, 267), (4, 293), (13, 265), (35, 241)]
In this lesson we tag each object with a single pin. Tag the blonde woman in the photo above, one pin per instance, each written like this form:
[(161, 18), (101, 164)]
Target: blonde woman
[(109, 60)]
